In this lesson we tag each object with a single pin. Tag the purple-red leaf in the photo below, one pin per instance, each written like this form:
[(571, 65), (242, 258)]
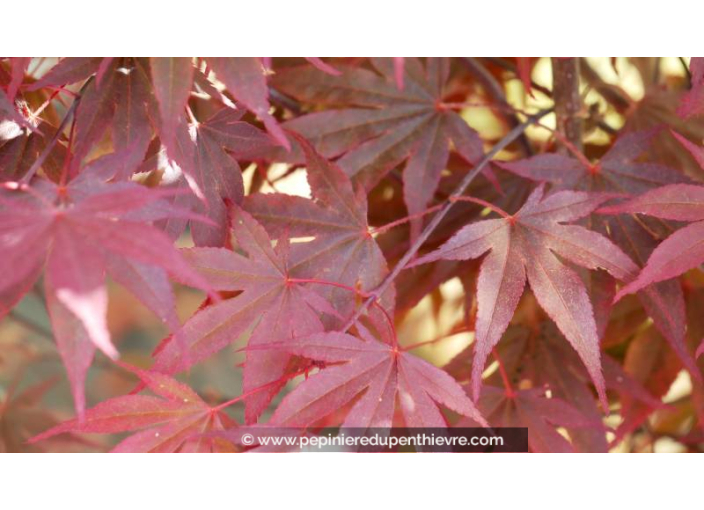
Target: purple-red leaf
[(381, 373), (530, 408), (523, 246), (620, 171), (245, 79), (337, 219), (172, 79), (271, 305), (378, 124), (176, 420), (684, 249), (693, 101), (79, 230)]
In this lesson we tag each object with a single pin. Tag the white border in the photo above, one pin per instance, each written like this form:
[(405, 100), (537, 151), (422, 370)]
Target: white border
[(350, 481), (351, 27)]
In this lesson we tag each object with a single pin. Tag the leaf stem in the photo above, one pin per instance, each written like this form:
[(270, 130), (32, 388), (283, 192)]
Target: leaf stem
[(256, 390), (384, 228), (486, 204), (38, 111), (359, 292), (454, 331), (576, 152), (510, 393)]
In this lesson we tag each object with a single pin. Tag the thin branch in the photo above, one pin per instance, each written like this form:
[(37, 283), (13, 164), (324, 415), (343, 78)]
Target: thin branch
[(512, 68), (687, 71), (501, 145), (40, 330), (510, 393), (454, 331), (568, 102), (49, 146), (567, 144), (284, 101), (496, 92), (613, 94)]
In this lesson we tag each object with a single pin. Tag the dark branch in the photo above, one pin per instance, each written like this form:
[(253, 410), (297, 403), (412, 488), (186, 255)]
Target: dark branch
[(568, 102), (49, 146), (496, 92)]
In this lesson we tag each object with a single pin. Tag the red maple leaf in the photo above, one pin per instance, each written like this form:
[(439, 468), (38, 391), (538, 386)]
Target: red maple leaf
[(81, 231), (523, 246), (274, 305), (376, 125), (200, 161), (619, 171), (380, 373), (532, 409), (336, 219), (693, 101), (684, 249), (175, 420)]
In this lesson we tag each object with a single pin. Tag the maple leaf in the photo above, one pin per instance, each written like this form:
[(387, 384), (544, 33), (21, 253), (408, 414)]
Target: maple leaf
[(68, 70), (649, 361), (121, 99), (523, 246), (172, 78), (530, 408), (379, 125), (202, 160), (318, 63), (680, 252), (271, 306), (278, 309), (557, 366), (127, 96), (693, 102), (337, 219), (619, 171), (136, 92), (23, 148), (175, 420), (548, 362), (377, 371), (524, 66), (82, 230), (245, 79), (18, 67), (202, 163)]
